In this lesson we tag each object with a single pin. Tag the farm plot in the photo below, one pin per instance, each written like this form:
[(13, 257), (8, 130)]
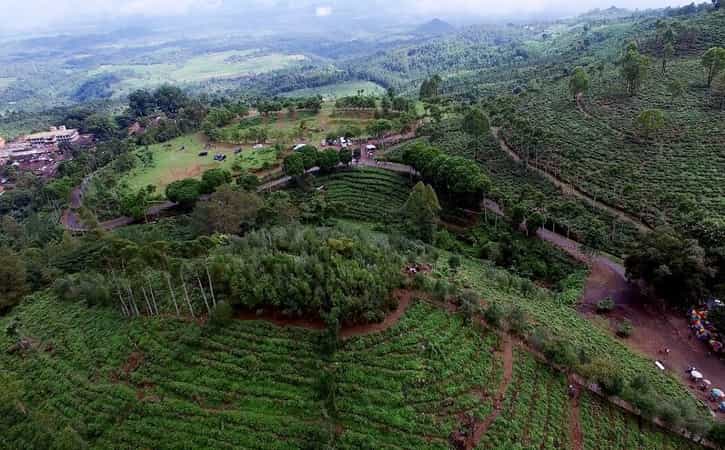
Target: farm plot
[(102, 382), (179, 158), (513, 180), (369, 195), (606, 427), (600, 152), (564, 322), (409, 386), (534, 413)]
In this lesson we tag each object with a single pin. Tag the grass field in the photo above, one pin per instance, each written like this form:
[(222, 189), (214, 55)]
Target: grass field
[(335, 91), (289, 127), (218, 65), (170, 163)]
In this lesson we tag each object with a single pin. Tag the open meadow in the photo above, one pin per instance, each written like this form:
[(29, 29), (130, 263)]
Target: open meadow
[(162, 164)]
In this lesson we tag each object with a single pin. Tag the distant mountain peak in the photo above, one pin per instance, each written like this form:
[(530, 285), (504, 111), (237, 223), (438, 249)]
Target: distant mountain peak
[(435, 26)]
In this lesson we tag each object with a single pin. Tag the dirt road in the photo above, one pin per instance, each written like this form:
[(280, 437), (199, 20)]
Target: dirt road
[(655, 329), (573, 190)]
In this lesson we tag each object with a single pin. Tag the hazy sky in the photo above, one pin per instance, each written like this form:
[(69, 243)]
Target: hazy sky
[(39, 14)]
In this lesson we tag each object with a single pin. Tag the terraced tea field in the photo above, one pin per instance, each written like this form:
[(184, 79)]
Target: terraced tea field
[(368, 195), (535, 411), (605, 427), (598, 149), (106, 383), (93, 380), (513, 182), (557, 316)]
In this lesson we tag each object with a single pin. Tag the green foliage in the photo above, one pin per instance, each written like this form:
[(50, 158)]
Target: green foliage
[(247, 181), (650, 122), (460, 180), (605, 306), (294, 165), (212, 179), (328, 160), (227, 211), (633, 68), (493, 315), (625, 329), (420, 212), (717, 90), (89, 288), (310, 156), (345, 156), (12, 279), (675, 267), (713, 61), (578, 82), (184, 192), (430, 89), (307, 272)]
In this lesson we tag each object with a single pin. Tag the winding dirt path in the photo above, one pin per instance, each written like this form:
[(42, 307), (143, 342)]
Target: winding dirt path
[(480, 427), (573, 190)]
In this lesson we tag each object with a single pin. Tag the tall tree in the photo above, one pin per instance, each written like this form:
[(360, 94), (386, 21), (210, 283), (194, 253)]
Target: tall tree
[(476, 124), (633, 68), (184, 192), (649, 122), (713, 61), (420, 212), (668, 52), (294, 165), (675, 268), (13, 284), (579, 82), (227, 211)]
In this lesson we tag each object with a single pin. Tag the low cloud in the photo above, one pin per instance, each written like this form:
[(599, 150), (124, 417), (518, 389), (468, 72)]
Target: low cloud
[(323, 11), (43, 14)]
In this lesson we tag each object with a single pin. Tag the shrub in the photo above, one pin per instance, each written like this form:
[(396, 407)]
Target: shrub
[(559, 353), (493, 315), (90, 288), (625, 329), (222, 314), (517, 320), (670, 415), (440, 290), (646, 405), (212, 179), (184, 192), (454, 262), (469, 305), (717, 434), (605, 374), (605, 306)]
